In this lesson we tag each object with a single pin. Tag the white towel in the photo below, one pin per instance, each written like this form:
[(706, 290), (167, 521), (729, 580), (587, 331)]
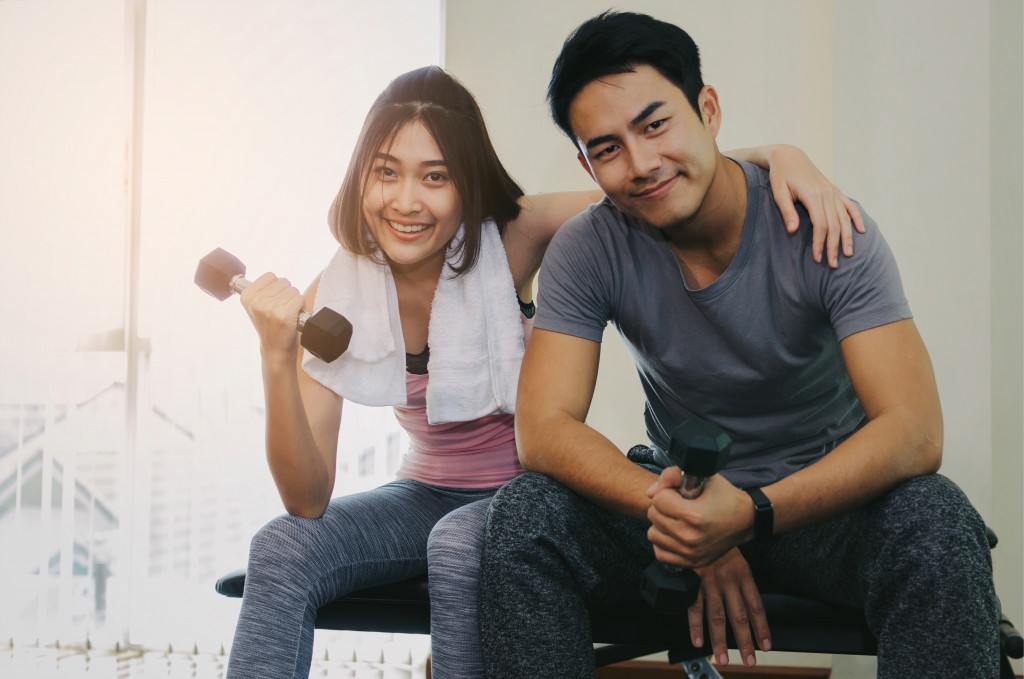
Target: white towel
[(372, 369), (475, 338), (475, 335)]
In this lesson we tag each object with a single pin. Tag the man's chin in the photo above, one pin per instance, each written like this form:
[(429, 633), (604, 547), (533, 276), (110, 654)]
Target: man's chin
[(665, 220)]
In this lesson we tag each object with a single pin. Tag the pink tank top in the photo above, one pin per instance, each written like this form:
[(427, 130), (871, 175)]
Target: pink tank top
[(476, 454)]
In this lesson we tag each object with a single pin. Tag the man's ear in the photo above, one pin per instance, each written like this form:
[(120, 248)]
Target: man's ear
[(586, 166), (710, 110)]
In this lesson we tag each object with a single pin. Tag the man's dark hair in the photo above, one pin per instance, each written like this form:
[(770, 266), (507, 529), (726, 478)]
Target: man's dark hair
[(618, 42)]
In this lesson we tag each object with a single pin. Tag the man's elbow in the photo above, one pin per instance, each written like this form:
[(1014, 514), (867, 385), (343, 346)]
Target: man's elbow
[(530, 442), (930, 454), (928, 451), (526, 449)]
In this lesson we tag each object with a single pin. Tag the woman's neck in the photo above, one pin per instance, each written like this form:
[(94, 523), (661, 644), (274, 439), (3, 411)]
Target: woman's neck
[(423, 274)]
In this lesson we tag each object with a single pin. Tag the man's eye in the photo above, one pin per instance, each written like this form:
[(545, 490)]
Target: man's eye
[(607, 150), (656, 124)]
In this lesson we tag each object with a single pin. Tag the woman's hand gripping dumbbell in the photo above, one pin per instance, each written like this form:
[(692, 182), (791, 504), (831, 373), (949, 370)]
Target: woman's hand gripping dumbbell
[(325, 334)]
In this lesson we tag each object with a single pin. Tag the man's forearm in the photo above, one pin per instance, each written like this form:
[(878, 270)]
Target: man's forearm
[(892, 375), (581, 458), (883, 454)]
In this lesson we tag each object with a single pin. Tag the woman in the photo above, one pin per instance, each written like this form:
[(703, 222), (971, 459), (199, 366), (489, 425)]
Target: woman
[(435, 237)]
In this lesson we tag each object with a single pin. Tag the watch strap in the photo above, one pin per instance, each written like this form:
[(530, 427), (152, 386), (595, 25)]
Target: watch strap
[(764, 516)]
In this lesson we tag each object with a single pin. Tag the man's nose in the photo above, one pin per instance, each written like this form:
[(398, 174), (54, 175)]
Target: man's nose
[(644, 160)]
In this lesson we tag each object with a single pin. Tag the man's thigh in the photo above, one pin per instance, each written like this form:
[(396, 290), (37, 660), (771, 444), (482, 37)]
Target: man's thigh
[(925, 521), (538, 521)]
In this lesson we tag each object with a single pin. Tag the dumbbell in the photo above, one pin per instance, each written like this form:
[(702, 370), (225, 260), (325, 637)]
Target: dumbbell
[(700, 449), (325, 334)]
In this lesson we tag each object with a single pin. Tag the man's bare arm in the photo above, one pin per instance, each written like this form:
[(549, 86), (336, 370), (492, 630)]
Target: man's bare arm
[(556, 386), (892, 375)]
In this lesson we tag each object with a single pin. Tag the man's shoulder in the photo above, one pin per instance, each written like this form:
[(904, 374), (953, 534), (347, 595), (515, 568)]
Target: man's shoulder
[(601, 225), (599, 213)]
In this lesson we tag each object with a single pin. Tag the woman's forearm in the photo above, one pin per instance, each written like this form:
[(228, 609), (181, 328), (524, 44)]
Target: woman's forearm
[(300, 468)]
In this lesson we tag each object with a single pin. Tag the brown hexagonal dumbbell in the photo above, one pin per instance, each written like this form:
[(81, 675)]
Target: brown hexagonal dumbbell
[(325, 334)]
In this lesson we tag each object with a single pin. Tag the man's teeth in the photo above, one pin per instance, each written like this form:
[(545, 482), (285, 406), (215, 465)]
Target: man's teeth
[(412, 228)]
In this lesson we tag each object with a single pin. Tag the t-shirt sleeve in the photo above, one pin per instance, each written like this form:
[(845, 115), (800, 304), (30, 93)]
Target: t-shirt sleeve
[(865, 291), (573, 286)]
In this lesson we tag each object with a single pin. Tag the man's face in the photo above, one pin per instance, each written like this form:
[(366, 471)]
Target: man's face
[(642, 142)]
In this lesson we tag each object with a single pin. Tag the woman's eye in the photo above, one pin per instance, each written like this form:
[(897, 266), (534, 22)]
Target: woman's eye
[(385, 171), (436, 177)]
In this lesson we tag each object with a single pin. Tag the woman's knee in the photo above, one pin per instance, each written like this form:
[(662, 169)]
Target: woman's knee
[(284, 549), (457, 539)]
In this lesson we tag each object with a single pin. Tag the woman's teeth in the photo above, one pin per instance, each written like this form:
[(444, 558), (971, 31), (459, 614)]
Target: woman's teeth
[(412, 228)]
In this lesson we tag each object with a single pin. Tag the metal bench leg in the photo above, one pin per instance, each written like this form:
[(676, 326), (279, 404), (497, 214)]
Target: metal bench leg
[(700, 668)]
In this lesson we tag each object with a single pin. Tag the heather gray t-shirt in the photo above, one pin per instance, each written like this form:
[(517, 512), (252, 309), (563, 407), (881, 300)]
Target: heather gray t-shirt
[(756, 352)]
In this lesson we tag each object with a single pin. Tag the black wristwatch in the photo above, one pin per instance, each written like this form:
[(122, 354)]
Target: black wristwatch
[(764, 516)]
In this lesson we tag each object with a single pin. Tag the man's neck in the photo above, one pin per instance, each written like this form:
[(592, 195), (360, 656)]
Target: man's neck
[(707, 242)]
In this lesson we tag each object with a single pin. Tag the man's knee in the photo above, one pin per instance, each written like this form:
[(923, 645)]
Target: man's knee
[(528, 498), (931, 513), (935, 538), (530, 508)]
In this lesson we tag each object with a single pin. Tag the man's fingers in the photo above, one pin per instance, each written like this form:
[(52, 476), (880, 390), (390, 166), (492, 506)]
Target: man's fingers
[(670, 477), (740, 618), (714, 611), (756, 615), (695, 614)]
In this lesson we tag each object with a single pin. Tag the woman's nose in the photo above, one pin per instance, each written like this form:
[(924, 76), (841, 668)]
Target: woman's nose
[(404, 198)]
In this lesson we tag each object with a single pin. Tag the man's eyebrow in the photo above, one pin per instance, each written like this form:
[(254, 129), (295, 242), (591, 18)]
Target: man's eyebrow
[(388, 158), (651, 108), (643, 115), (603, 139)]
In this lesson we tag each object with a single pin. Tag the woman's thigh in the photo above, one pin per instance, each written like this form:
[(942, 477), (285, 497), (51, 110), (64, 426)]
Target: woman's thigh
[(361, 540)]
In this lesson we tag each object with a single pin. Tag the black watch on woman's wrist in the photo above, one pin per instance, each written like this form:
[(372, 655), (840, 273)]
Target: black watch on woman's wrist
[(764, 516)]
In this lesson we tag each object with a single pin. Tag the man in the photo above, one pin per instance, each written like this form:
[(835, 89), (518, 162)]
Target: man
[(819, 376)]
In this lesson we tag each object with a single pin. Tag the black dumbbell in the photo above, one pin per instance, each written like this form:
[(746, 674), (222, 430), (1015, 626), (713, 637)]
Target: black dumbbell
[(325, 334), (700, 449)]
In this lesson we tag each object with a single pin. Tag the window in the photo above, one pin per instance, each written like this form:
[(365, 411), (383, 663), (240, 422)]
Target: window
[(132, 471)]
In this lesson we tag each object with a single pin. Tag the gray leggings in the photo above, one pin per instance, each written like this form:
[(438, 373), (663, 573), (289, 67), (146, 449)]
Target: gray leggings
[(385, 535), (916, 560)]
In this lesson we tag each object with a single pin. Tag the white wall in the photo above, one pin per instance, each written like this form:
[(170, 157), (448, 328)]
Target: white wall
[(913, 106), (928, 135)]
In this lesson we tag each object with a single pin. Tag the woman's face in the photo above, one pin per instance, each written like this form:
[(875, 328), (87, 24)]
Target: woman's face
[(410, 202)]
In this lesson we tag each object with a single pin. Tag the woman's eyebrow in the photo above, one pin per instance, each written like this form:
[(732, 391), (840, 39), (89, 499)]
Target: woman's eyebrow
[(388, 158)]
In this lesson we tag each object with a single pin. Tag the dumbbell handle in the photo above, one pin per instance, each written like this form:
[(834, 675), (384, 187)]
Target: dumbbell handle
[(239, 282), (692, 487)]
